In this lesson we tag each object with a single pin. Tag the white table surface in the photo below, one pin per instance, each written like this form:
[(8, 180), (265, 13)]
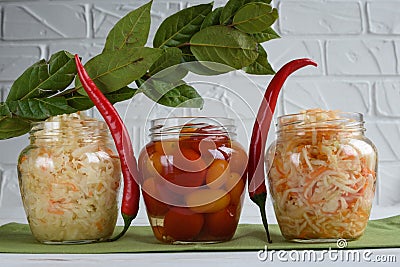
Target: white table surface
[(188, 259), (173, 259)]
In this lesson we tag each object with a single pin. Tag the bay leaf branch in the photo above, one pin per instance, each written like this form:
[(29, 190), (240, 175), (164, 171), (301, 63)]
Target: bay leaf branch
[(40, 108), (44, 77)]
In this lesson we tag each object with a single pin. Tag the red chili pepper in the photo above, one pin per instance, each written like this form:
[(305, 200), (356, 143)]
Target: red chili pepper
[(131, 194), (255, 167)]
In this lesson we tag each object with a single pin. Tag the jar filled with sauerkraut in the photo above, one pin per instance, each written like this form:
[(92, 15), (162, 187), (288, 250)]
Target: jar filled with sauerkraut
[(322, 175), (69, 179)]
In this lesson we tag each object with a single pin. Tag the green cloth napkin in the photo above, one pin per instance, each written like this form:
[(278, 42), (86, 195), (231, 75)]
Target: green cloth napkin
[(17, 238)]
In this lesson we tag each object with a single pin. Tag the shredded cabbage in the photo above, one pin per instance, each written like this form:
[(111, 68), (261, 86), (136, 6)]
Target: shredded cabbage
[(69, 181), (322, 177)]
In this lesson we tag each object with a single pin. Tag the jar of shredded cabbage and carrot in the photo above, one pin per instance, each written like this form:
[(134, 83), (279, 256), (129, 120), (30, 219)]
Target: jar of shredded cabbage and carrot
[(193, 179), (322, 175), (69, 179)]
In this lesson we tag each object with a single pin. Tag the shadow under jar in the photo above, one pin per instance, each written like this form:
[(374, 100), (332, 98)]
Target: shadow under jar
[(322, 176), (69, 179), (193, 179)]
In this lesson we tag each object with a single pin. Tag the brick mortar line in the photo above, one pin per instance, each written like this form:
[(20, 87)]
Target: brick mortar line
[(89, 21), (1, 23), (35, 42), (217, 3), (387, 38), (366, 16)]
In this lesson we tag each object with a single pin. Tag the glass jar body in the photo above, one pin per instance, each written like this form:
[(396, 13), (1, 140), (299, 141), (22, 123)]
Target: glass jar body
[(69, 183), (322, 176), (193, 181)]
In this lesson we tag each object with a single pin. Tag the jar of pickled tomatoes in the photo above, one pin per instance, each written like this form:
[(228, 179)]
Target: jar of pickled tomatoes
[(193, 175), (322, 175)]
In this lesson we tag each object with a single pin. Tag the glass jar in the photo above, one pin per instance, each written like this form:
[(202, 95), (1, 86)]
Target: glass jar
[(192, 179), (322, 176), (69, 179)]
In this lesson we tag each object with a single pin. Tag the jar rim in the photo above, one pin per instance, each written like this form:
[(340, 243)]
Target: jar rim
[(231, 120), (82, 131), (319, 119), (173, 125), (82, 124)]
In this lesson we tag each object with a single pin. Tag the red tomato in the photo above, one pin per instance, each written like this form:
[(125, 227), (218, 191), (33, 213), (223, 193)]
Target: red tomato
[(238, 159), (217, 174), (143, 161), (223, 223), (210, 147), (167, 147), (187, 159), (182, 224), (185, 135), (150, 163), (235, 186), (188, 170), (186, 179), (207, 138), (154, 207), (207, 200), (153, 198)]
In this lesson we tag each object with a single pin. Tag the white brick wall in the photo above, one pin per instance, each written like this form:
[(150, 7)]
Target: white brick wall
[(356, 44)]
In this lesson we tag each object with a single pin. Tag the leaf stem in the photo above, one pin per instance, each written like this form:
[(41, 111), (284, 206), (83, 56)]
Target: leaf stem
[(183, 45)]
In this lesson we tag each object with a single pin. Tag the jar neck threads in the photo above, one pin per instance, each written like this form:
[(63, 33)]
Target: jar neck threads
[(174, 127), (67, 132), (321, 120)]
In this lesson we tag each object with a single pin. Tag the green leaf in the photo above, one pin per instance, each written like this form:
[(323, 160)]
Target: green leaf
[(184, 96), (187, 55), (43, 77), (81, 102), (212, 18), (171, 94), (131, 30), (121, 95), (168, 67), (171, 56), (267, 35), (261, 66), (236, 49), (113, 70), (13, 127), (232, 7), (40, 108), (4, 110), (255, 17), (207, 68), (181, 26)]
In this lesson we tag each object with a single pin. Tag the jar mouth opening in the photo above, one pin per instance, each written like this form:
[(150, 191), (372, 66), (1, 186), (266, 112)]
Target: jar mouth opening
[(82, 131), (321, 120), (188, 126), (87, 123)]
